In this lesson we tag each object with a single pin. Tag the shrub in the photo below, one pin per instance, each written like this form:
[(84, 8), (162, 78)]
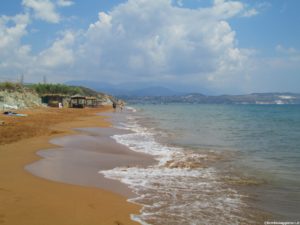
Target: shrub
[(63, 89), (10, 86)]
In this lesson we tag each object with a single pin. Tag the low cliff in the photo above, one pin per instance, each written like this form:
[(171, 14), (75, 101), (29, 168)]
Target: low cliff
[(16, 96), (19, 99)]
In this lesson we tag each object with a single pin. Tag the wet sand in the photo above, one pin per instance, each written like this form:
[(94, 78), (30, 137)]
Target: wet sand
[(28, 199), (79, 159)]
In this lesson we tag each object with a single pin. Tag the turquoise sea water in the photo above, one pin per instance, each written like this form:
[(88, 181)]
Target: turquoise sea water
[(264, 139), (218, 164)]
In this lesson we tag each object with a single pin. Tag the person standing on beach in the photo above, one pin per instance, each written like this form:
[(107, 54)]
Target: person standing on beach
[(121, 105), (114, 105)]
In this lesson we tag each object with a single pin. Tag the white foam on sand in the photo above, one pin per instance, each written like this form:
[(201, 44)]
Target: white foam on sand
[(177, 190)]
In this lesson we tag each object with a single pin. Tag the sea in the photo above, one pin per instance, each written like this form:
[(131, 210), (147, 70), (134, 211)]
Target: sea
[(216, 164)]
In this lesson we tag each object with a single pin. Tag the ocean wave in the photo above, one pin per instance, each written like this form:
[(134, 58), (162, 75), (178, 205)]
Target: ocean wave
[(183, 188), (131, 109)]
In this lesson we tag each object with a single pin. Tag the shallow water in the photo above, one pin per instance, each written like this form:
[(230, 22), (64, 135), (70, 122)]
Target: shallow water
[(218, 164), (76, 159)]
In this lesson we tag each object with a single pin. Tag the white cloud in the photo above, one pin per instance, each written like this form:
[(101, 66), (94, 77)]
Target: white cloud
[(13, 55), (226, 9), (263, 5), (180, 3), (288, 57), (10, 35), (64, 3), (150, 40), (255, 8), (43, 9), (289, 51), (17, 58), (59, 54), (250, 13), (143, 41)]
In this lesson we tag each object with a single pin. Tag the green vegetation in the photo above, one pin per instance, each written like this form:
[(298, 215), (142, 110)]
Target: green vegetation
[(62, 89), (9, 86), (43, 89)]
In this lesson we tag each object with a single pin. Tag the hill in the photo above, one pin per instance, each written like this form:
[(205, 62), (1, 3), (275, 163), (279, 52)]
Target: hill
[(196, 98), (126, 89)]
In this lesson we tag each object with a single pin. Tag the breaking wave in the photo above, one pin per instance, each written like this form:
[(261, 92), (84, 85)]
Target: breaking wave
[(183, 188)]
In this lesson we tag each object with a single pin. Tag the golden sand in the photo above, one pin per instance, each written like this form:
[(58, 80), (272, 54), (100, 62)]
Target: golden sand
[(29, 200)]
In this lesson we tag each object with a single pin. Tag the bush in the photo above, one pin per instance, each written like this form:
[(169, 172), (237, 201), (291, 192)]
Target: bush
[(10, 86), (63, 89), (56, 89)]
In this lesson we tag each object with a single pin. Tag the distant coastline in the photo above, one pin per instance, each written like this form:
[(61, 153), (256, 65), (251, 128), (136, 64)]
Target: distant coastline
[(196, 98)]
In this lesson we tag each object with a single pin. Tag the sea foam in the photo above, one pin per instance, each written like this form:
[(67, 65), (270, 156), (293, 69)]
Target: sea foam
[(181, 188)]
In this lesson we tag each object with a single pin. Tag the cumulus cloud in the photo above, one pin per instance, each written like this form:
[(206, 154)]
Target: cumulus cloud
[(64, 3), (59, 54), (150, 40), (43, 9), (11, 35), (223, 9), (13, 55), (138, 40), (17, 58)]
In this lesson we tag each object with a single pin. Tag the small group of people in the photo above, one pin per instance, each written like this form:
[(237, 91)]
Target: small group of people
[(120, 104)]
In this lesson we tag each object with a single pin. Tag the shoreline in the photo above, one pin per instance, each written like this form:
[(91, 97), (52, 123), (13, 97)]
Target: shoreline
[(78, 158), (184, 176), (28, 199)]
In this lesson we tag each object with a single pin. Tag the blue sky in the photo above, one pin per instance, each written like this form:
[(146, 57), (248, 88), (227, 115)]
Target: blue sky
[(214, 46)]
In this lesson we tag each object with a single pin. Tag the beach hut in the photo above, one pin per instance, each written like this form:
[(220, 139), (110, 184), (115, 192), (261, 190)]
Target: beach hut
[(78, 101), (91, 102), (54, 100)]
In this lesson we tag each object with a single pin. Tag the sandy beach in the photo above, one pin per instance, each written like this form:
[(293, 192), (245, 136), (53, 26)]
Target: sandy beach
[(80, 195)]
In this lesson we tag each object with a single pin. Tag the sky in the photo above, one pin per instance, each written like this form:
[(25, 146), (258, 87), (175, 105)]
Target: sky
[(208, 46)]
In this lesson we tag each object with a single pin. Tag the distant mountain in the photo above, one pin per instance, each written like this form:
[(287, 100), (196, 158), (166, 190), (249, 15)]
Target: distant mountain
[(121, 90), (97, 86), (153, 91), (143, 93), (196, 98)]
